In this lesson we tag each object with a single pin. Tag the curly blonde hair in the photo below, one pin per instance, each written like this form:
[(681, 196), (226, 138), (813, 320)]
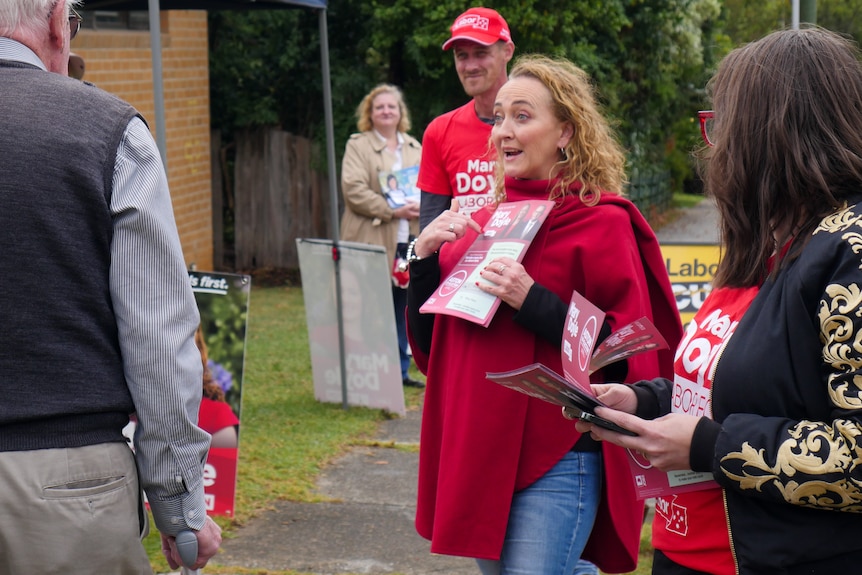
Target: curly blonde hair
[(363, 111), (593, 157)]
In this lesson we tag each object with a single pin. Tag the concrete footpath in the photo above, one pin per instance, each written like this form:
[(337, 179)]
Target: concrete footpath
[(367, 527)]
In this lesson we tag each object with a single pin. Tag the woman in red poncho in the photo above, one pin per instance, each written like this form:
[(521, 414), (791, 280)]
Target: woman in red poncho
[(504, 477)]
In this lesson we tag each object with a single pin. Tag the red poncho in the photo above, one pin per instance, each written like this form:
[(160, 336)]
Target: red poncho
[(481, 442)]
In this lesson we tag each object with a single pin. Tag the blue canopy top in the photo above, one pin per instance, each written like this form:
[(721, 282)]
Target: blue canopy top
[(123, 5)]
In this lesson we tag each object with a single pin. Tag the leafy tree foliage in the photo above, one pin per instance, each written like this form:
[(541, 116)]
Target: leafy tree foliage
[(649, 59), (843, 16), (748, 20)]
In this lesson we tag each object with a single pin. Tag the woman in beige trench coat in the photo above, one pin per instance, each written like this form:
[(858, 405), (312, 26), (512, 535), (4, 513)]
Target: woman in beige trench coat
[(371, 214)]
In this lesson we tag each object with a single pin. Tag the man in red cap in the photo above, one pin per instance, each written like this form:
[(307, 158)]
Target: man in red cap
[(457, 160)]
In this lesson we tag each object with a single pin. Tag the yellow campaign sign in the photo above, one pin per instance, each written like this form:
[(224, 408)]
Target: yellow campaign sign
[(691, 268)]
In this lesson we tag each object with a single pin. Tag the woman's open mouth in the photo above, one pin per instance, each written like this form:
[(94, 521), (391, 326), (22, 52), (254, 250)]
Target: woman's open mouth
[(509, 154)]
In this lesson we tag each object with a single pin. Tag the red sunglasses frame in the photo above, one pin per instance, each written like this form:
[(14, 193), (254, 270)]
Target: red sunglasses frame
[(703, 116)]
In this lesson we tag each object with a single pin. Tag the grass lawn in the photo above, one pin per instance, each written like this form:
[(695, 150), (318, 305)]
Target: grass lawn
[(287, 436), (686, 200)]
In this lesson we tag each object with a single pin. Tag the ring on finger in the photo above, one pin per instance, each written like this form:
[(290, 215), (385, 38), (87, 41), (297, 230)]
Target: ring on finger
[(502, 268), (451, 227)]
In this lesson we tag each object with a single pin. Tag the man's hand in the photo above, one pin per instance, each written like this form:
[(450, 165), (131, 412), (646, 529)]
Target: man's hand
[(209, 540)]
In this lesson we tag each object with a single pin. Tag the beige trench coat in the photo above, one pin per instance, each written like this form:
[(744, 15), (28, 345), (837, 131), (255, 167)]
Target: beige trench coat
[(367, 216)]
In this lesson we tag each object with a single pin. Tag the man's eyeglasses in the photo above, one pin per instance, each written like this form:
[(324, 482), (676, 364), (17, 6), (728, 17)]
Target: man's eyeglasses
[(706, 117), (75, 20)]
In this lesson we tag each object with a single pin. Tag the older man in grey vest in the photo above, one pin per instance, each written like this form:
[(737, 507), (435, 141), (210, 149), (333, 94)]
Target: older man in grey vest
[(98, 322)]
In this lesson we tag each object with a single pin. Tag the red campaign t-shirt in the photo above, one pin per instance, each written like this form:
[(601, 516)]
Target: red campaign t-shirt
[(458, 159), (691, 528)]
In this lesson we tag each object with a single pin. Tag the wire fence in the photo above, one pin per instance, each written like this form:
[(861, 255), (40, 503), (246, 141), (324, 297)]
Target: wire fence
[(650, 191)]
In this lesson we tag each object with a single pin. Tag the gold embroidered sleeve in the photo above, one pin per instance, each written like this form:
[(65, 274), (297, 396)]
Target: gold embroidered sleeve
[(818, 464)]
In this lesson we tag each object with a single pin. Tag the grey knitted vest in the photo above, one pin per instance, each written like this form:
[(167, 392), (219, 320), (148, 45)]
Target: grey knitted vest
[(61, 372)]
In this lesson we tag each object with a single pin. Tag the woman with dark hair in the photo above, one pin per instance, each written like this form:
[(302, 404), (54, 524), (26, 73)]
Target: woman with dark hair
[(776, 349), (503, 477)]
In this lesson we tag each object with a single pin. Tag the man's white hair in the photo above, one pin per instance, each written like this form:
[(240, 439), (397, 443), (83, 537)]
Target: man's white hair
[(30, 15)]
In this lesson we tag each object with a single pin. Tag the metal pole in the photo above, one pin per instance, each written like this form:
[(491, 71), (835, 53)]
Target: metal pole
[(333, 197), (808, 11), (158, 88), (327, 115), (794, 15), (339, 314)]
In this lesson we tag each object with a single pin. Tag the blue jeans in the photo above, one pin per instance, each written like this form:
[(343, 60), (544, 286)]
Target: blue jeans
[(399, 298), (550, 521)]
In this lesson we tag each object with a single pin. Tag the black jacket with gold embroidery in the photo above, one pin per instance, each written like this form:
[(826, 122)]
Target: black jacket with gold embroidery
[(787, 408)]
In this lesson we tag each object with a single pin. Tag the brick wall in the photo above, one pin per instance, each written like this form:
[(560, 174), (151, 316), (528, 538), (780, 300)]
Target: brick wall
[(120, 62)]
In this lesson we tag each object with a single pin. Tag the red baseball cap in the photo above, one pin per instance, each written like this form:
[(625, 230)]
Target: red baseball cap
[(481, 25)]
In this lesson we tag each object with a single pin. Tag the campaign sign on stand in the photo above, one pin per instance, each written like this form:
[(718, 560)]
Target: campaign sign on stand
[(366, 324), (223, 304)]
